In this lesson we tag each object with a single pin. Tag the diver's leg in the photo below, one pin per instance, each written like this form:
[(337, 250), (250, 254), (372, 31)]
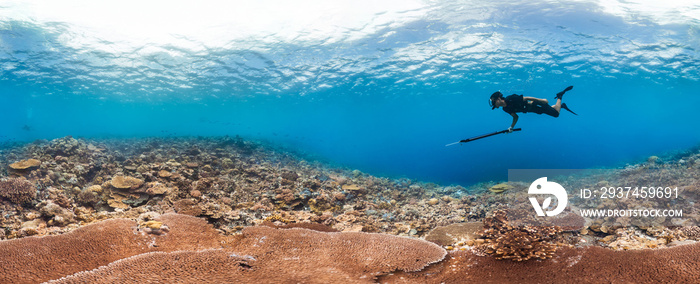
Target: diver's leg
[(559, 95), (557, 106)]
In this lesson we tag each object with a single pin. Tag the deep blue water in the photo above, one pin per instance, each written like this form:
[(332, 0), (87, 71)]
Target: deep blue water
[(377, 87)]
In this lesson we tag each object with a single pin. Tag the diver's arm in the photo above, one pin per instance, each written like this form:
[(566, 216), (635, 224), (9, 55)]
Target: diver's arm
[(536, 99), (515, 120)]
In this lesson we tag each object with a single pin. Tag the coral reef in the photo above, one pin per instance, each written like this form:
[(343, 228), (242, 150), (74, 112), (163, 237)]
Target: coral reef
[(234, 185), (17, 190), (232, 182), (192, 252), (518, 243)]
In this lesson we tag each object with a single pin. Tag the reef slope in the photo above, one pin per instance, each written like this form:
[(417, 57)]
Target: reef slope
[(212, 210)]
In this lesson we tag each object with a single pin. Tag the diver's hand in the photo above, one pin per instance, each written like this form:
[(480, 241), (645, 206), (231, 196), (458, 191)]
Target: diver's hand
[(510, 129)]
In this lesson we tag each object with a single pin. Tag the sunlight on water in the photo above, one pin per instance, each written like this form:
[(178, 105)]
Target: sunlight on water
[(212, 24)]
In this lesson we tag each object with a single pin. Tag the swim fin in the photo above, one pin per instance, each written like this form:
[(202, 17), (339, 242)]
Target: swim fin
[(567, 108), (561, 94)]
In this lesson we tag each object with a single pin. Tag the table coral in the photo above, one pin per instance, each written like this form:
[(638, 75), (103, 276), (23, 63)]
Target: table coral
[(269, 255), (356, 252), (125, 182), (500, 188), (570, 265), (25, 164), (98, 244)]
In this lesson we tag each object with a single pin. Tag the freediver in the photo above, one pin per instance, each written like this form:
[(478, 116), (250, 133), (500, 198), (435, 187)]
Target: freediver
[(518, 103)]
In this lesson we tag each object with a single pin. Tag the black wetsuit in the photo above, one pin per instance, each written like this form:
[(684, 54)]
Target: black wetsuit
[(516, 103)]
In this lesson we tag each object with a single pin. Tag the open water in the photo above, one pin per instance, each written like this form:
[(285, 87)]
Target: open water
[(379, 86)]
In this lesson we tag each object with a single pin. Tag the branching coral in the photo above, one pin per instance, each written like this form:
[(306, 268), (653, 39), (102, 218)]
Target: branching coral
[(691, 232), (518, 243), (17, 190)]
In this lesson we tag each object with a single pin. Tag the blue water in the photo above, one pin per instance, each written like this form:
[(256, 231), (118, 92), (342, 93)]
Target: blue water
[(377, 87)]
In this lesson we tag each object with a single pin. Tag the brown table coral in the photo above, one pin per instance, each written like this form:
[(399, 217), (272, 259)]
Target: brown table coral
[(124, 182), (259, 254), (569, 265), (25, 164), (95, 245)]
